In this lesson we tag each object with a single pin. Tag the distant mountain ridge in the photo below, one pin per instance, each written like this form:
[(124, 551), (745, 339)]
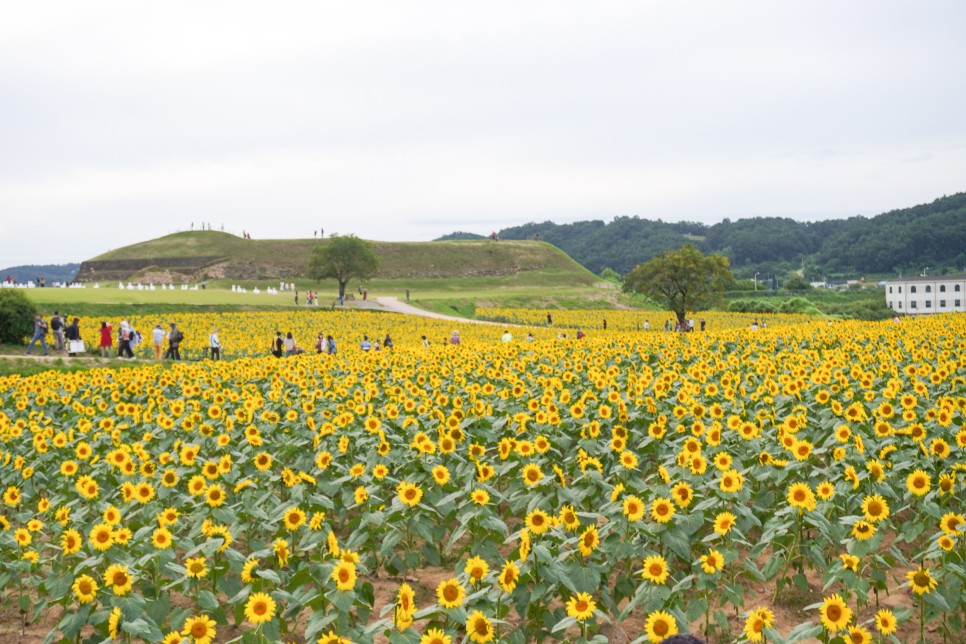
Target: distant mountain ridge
[(931, 235), (50, 272)]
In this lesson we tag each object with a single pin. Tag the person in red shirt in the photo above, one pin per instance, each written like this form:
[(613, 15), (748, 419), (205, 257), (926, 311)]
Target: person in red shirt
[(107, 339)]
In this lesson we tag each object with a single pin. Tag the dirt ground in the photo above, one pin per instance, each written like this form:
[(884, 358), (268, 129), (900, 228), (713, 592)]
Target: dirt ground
[(788, 613)]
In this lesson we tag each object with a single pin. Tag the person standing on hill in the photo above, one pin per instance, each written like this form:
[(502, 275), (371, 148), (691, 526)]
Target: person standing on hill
[(157, 338), (57, 328), (40, 333), (107, 340)]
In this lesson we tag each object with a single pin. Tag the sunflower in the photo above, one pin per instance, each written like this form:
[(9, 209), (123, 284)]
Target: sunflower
[(835, 614), (215, 495), (731, 481), (886, 622), (858, 635), (532, 474), (537, 521), (922, 581), (435, 636), (952, 523), (659, 626), (800, 496), (918, 483), (662, 510), (101, 537), (633, 508), (440, 475), (712, 562), (757, 621), (724, 522), (161, 538), (850, 562), (200, 629), (479, 628), (195, 567), (875, 508), (293, 518), (569, 518), (114, 622), (655, 569), (259, 608), (476, 568), (682, 494), (409, 494), (450, 593), (344, 575), (863, 530), (480, 496), (589, 540), (825, 490), (118, 579), (85, 589), (509, 575), (581, 606), (70, 542)]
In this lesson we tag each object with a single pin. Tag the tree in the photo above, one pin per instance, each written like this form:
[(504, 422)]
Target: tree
[(16, 316), (684, 279), (343, 258)]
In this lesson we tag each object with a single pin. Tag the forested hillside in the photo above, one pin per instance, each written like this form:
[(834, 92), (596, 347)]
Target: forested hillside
[(932, 235)]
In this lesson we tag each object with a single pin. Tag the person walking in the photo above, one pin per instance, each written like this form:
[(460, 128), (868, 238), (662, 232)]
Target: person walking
[(72, 334), (365, 345), (157, 339), (40, 334), (106, 344), (330, 345), (214, 344), (124, 341), (57, 329), (387, 342), (175, 336)]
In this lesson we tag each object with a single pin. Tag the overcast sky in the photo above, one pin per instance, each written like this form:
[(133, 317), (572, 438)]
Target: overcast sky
[(124, 121)]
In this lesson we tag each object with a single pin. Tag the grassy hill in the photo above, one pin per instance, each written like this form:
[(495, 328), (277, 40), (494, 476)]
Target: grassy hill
[(213, 255)]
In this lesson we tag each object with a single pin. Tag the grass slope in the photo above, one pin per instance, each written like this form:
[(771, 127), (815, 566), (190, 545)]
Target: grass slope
[(289, 258)]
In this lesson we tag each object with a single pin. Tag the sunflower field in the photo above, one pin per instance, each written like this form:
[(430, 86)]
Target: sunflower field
[(553, 490)]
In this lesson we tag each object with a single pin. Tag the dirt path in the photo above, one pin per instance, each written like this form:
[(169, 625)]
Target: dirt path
[(393, 304)]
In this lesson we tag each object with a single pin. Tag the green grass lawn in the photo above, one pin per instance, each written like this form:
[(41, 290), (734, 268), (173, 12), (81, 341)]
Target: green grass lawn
[(454, 296)]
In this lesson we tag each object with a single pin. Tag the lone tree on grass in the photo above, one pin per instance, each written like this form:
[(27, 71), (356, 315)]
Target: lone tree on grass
[(683, 280), (343, 258)]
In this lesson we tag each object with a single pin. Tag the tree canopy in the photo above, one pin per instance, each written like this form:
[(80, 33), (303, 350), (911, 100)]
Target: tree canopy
[(16, 316), (683, 280), (343, 258)]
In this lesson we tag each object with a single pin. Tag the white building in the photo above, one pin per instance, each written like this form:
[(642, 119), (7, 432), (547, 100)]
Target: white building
[(927, 294)]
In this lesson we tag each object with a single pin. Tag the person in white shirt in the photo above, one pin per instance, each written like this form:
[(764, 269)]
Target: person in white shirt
[(158, 337), (506, 336), (215, 345)]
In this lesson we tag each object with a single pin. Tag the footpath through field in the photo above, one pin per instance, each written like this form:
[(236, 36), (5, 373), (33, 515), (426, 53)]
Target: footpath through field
[(394, 305)]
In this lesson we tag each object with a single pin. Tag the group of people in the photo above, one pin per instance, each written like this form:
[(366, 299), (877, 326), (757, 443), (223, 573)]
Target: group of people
[(366, 345), (67, 337)]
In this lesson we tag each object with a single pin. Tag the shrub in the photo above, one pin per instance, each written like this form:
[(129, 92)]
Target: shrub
[(16, 316)]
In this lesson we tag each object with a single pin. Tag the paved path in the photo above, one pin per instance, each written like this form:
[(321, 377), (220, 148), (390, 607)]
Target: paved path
[(393, 304)]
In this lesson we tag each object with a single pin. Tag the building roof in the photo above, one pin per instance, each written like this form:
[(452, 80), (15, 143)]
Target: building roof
[(958, 277)]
